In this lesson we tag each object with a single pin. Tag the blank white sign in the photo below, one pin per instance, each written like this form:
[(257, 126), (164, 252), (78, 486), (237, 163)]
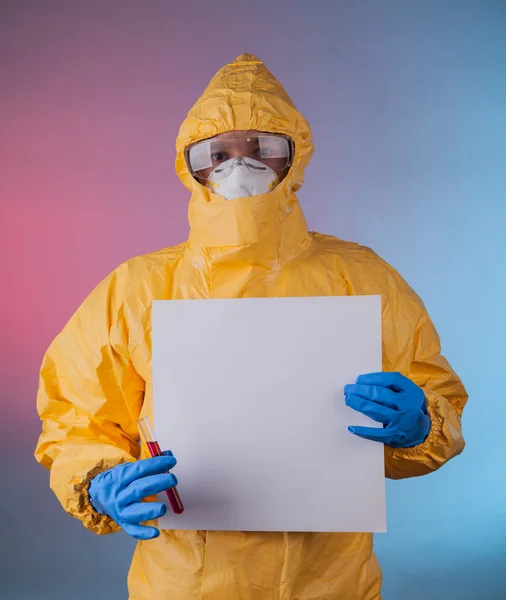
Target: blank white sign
[(248, 394)]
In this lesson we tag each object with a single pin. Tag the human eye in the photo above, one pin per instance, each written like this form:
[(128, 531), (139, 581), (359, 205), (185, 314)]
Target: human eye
[(219, 156), (263, 152)]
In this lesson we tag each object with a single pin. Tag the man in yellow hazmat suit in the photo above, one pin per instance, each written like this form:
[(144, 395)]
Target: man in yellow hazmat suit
[(241, 152)]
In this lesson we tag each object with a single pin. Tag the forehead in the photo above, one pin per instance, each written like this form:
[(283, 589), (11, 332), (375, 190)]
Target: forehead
[(241, 133)]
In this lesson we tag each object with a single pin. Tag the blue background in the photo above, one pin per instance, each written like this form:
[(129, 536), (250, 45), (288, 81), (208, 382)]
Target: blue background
[(407, 102)]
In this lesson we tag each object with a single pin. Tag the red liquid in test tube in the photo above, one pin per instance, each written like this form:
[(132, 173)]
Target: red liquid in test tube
[(154, 449)]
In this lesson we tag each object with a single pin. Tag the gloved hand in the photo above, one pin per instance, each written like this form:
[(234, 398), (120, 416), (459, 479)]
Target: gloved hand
[(395, 401), (118, 493)]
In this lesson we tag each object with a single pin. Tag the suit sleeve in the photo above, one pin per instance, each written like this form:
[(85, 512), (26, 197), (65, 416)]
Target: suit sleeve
[(414, 349), (88, 400), (411, 346)]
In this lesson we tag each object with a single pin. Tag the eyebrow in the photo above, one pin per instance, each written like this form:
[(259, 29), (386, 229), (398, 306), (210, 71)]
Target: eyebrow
[(223, 144)]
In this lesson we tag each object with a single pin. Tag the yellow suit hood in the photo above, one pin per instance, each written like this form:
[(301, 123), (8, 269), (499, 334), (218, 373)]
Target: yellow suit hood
[(244, 95)]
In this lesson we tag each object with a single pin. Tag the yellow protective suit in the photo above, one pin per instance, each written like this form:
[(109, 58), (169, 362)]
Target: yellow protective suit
[(96, 376)]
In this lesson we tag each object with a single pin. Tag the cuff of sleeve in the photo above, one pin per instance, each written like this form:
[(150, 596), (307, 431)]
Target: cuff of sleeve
[(81, 506), (436, 426), (401, 463)]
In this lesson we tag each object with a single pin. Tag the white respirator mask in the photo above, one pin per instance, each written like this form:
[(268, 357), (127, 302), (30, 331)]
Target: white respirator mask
[(240, 177)]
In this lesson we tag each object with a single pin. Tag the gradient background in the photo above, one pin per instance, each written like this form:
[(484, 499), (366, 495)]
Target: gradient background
[(407, 101)]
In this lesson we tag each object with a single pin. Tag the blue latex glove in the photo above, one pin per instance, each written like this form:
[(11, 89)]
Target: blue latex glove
[(395, 401), (118, 493)]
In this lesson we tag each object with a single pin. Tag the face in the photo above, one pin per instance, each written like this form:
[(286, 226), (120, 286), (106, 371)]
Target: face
[(233, 144)]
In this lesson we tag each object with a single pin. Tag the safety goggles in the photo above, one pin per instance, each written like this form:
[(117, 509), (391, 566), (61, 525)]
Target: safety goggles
[(273, 150)]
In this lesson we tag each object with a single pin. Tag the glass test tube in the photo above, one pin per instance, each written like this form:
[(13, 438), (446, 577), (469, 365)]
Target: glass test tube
[(154, 449)]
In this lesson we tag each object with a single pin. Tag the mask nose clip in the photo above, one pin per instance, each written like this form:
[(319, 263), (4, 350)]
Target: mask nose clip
[(240, 161), (236, 162)]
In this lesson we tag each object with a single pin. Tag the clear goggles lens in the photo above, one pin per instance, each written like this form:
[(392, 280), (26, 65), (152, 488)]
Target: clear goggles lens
[(274, 151)]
